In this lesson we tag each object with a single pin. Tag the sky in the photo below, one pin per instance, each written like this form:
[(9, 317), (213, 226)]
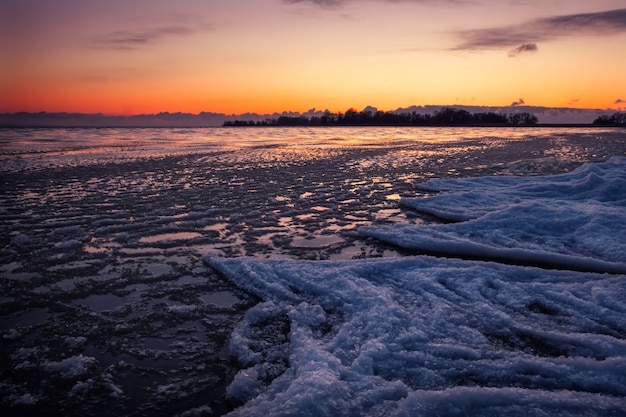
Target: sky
[(123, 57)]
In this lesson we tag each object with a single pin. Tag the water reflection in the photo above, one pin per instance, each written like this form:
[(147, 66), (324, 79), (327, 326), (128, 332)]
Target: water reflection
[(36, 148)]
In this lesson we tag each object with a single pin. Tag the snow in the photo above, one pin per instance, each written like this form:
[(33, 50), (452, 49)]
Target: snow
[(470, 198), (575, 220), (426, 336), (72, 367)]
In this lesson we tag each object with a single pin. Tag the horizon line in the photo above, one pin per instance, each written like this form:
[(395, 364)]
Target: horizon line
[(316, 110), (546, 116)]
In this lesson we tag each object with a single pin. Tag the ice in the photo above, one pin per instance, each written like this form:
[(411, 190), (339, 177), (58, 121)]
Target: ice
[(75, 342), (470, 198), (575, 220), (166, 237), (427, 336), (72, 367), (25, 399), (181, 309), (102, 239)]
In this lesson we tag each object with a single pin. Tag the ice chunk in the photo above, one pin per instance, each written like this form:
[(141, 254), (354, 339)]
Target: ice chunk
[(25, 399), (72, 367), (182, 308)]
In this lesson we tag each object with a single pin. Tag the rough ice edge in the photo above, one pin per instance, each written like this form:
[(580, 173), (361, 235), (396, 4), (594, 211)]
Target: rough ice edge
[(379, 341), (505, 182), (432, 241), (572, 221), (469, 198)]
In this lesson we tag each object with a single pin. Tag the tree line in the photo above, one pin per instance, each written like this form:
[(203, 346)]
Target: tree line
[(616, 119), (447, 116)]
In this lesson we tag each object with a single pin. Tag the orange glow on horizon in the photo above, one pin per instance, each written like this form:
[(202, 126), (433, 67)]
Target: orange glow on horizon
[(131, 105)]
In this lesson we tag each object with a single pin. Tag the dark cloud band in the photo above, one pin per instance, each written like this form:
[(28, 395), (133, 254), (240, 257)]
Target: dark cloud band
[(545, 29)]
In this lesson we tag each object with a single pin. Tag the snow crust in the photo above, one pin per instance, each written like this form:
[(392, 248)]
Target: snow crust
[(575, 220), (423, 336)]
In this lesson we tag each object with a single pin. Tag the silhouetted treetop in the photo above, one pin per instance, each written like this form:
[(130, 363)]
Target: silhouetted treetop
[(616, 119), (447, 116)]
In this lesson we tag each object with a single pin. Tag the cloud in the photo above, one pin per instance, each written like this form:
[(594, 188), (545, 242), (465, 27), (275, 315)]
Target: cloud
[(321, 3), (619, 101), (545, 29), (525, 47), (519, 102), (133, 39), (334, 4)]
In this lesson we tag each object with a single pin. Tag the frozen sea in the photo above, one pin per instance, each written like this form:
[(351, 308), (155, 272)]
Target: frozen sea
[(313, 272)]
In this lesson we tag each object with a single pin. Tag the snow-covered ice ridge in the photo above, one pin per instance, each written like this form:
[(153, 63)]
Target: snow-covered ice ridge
[(422, 336), (425, 336), (575, 220)]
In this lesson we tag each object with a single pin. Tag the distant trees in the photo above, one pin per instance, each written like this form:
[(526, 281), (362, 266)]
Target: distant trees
[(490, 118), (523, 118), (447, 116), (616, 119)]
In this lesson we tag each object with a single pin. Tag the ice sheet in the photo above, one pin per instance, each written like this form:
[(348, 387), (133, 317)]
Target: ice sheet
[(574, 221), (423, 336)]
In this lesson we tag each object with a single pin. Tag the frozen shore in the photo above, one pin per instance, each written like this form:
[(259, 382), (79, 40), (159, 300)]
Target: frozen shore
[(146, 271)]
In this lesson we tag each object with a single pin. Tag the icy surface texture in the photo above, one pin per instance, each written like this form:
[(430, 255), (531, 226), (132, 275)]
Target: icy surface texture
[(575, 220), (106, 304), (428, 336), (424, 336)]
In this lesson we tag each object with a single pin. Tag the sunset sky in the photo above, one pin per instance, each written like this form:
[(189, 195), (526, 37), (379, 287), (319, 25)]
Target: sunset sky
[(123, 57)]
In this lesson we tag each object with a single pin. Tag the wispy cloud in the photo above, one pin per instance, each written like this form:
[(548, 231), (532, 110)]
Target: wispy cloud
[(134, 39), (321, 3), (545, 29), (334, 4), (526, 47), (519, 102), (619, 101)]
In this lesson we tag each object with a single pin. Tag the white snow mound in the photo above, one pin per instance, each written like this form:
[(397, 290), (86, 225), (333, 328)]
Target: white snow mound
[(572, 221), (423, 336)]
